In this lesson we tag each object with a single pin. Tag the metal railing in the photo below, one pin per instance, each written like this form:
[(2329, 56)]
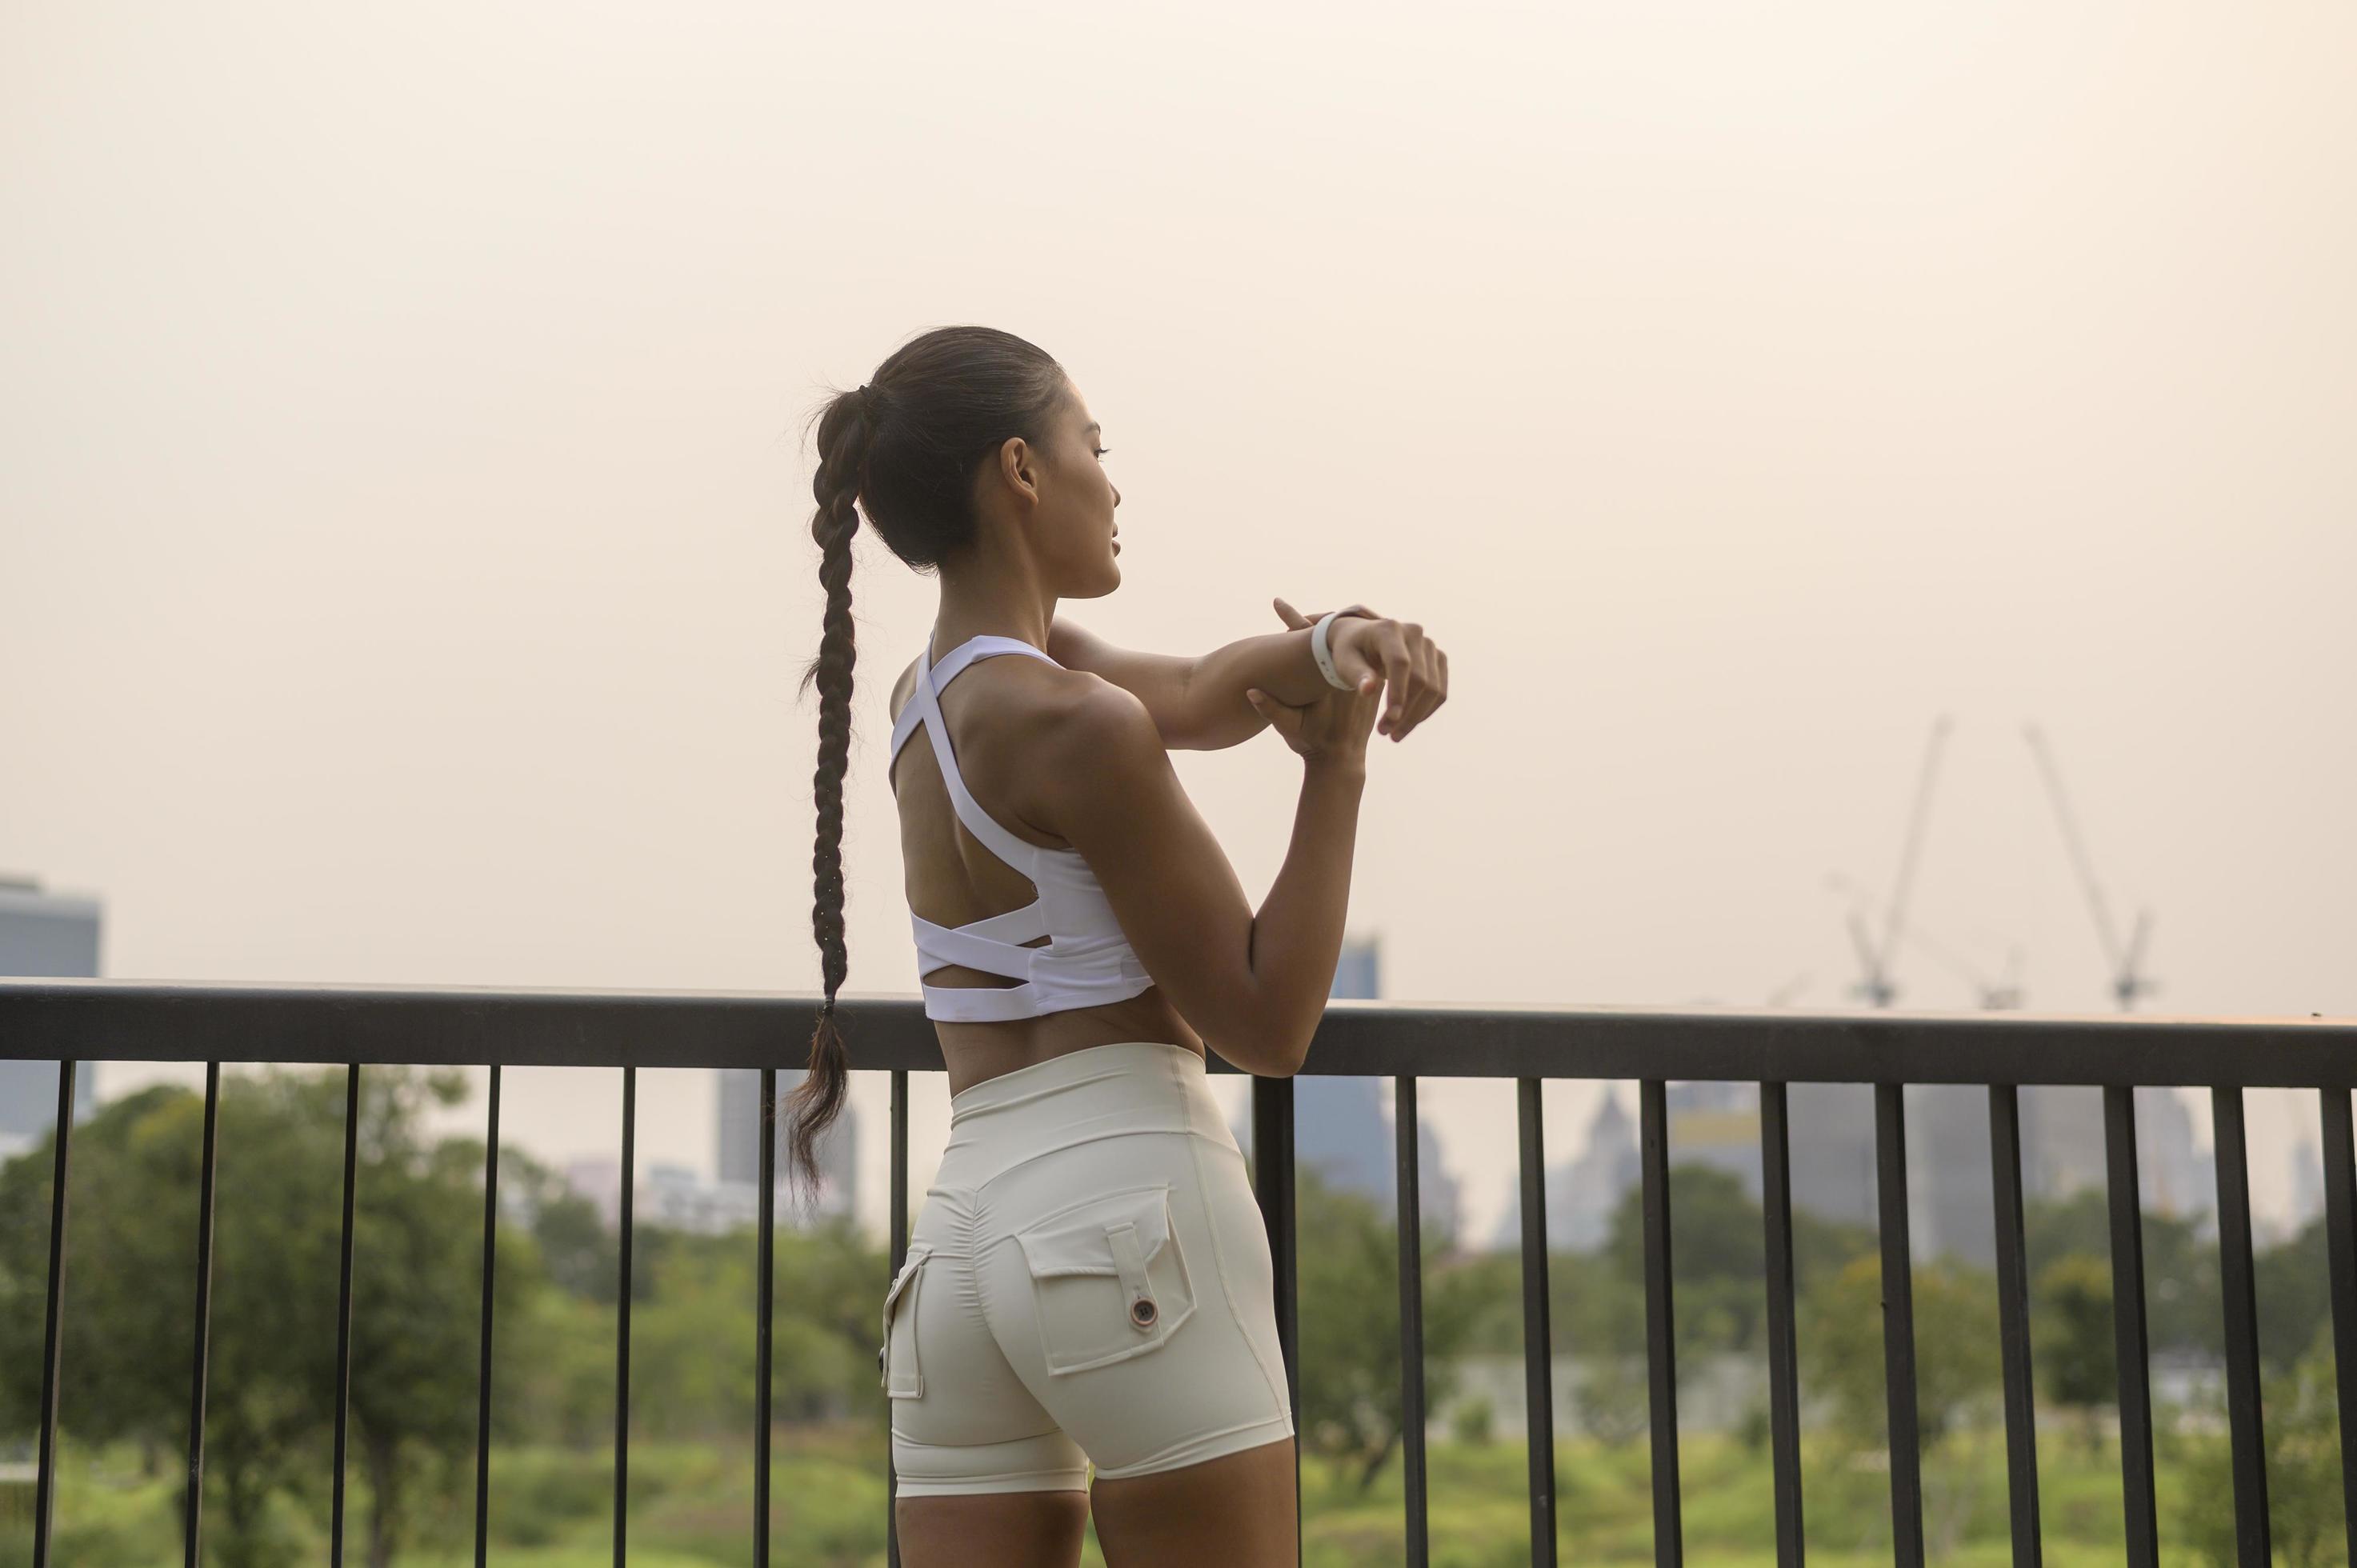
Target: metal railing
[(357, 1028)]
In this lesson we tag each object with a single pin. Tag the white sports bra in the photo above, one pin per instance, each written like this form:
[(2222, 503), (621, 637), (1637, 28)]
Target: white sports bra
[(1086, 962)]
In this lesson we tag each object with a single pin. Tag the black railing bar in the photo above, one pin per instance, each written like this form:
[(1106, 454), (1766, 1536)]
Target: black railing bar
[(344, 1313), (192, 1525), (900, 1234), (764, 1285), (2013, 1324), (483, 1366), (1409, 1183), (2339, 1148), (625, 1271), (1272, 1112), (1899, 1325), (149, 1021), (45, 1485), (1660, 1344), (2244, 1413), (1783, 1348), (1538, 1327), (2134, 1364)]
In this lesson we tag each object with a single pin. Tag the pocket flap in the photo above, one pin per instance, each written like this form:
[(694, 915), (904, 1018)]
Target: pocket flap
[(1079, 1240)]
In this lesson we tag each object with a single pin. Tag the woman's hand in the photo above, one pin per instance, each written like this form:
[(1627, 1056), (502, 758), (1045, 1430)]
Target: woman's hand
[(1329, 729), (1411, 666)]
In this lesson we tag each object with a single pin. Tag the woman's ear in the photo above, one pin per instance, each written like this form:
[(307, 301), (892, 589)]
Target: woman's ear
[(1016, 463)]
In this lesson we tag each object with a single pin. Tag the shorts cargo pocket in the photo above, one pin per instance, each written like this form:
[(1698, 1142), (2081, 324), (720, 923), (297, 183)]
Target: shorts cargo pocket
[(904, 1375), (1107, 1278)]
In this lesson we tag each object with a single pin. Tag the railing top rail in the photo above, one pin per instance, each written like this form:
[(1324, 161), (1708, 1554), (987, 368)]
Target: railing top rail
[(119, 1020)]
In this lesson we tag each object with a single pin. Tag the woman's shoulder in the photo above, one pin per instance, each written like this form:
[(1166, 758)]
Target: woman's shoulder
[(1033, 699)]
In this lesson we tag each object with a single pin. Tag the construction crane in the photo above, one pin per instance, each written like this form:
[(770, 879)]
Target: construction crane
[(1875, 983), (1994, 995), (2128, 979)]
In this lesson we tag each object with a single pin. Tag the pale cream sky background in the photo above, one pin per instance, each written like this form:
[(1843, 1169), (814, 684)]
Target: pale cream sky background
[(403, 518)]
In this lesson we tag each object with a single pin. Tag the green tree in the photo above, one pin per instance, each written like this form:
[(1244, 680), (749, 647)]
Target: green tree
[(1956, 1364), (270, 1404), (1348, 1260), (2303, 1449), (2072, 1322), (2183, 1304)]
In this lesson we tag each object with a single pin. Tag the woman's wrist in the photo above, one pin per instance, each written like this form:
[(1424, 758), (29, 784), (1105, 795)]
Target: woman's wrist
[(1339, 766), (1335, 635)]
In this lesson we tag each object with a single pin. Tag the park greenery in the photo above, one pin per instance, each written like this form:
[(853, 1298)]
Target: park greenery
[(271, 1400)]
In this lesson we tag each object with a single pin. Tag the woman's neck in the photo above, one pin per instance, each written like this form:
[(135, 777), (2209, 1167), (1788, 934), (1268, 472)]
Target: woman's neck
[(1003, 600)]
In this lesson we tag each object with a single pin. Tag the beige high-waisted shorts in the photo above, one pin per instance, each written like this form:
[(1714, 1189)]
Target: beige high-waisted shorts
[(1088, 1281)]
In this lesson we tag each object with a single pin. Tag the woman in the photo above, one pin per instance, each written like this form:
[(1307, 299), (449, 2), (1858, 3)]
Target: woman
[(1088, 1285)]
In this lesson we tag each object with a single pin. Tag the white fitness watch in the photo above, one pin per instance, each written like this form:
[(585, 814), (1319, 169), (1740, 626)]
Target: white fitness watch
[(1325, 656)]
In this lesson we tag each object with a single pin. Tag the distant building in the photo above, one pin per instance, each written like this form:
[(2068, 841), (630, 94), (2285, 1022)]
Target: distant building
[(2307, 1186), (1951, 1190), (2172, 1175), (1342, 1129), (1582, 1193), (1715, 1124), (673, 1196), (1831, 1128), (43, 936), (738, 1113)]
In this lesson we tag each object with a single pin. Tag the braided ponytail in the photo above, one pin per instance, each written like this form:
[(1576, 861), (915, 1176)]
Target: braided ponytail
[(903, 450), (846, 433)]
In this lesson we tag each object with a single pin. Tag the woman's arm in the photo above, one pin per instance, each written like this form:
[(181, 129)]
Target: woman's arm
[(1252, 982), (1199, 703)]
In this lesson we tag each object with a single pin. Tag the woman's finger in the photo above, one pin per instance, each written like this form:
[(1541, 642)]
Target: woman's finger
[(1432, 665), (1293, 618), (1399, 677), (1285, 720)]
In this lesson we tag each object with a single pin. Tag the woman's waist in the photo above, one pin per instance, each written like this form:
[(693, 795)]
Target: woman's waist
[(977, 1051), (1121, 1089)]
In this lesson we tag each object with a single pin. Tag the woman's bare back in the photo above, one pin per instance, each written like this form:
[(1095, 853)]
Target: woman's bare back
[(993, 710)]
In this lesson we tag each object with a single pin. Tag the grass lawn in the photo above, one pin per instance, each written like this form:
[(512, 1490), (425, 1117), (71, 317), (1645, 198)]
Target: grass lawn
[(691, 1503)]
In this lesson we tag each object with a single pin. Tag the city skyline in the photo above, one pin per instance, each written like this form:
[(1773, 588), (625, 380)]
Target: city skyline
[(407, 522)]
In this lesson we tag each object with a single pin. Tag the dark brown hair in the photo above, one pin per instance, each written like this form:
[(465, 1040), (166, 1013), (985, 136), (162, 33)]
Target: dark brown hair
[(906, 448)]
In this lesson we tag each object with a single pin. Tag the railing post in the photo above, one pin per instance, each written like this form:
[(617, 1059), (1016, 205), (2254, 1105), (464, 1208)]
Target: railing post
[(483, 1370), (45, 1485), (192, 1523), (1899, 1325), (1538, 1327), (2245, 1421), (344, 1312), (899, 1232), (626, 1271), (764, 1287), (1410, 1191), (2339, 1147), (2137, 1499), (2013, 1324), (1661, 1342), (1783, 1351), (1273, 1185)]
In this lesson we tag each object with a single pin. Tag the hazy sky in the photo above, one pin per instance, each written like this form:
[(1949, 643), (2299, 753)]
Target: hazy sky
[(404, 513)]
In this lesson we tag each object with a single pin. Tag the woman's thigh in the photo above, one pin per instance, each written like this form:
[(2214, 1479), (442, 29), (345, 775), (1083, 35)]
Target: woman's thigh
[(1006, 1529), (1237, 1510)]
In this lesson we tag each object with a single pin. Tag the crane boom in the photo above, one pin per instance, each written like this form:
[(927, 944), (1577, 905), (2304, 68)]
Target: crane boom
[(1917, 821), (2076, 844)]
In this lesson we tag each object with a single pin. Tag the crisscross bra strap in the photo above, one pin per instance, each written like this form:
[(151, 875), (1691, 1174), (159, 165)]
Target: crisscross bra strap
[(925, 707)]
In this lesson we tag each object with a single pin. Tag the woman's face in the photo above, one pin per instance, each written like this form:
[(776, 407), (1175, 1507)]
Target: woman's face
[(1070, 516)]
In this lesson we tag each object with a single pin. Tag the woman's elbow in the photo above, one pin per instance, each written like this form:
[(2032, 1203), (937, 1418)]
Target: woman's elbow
[(1269, 1056)]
